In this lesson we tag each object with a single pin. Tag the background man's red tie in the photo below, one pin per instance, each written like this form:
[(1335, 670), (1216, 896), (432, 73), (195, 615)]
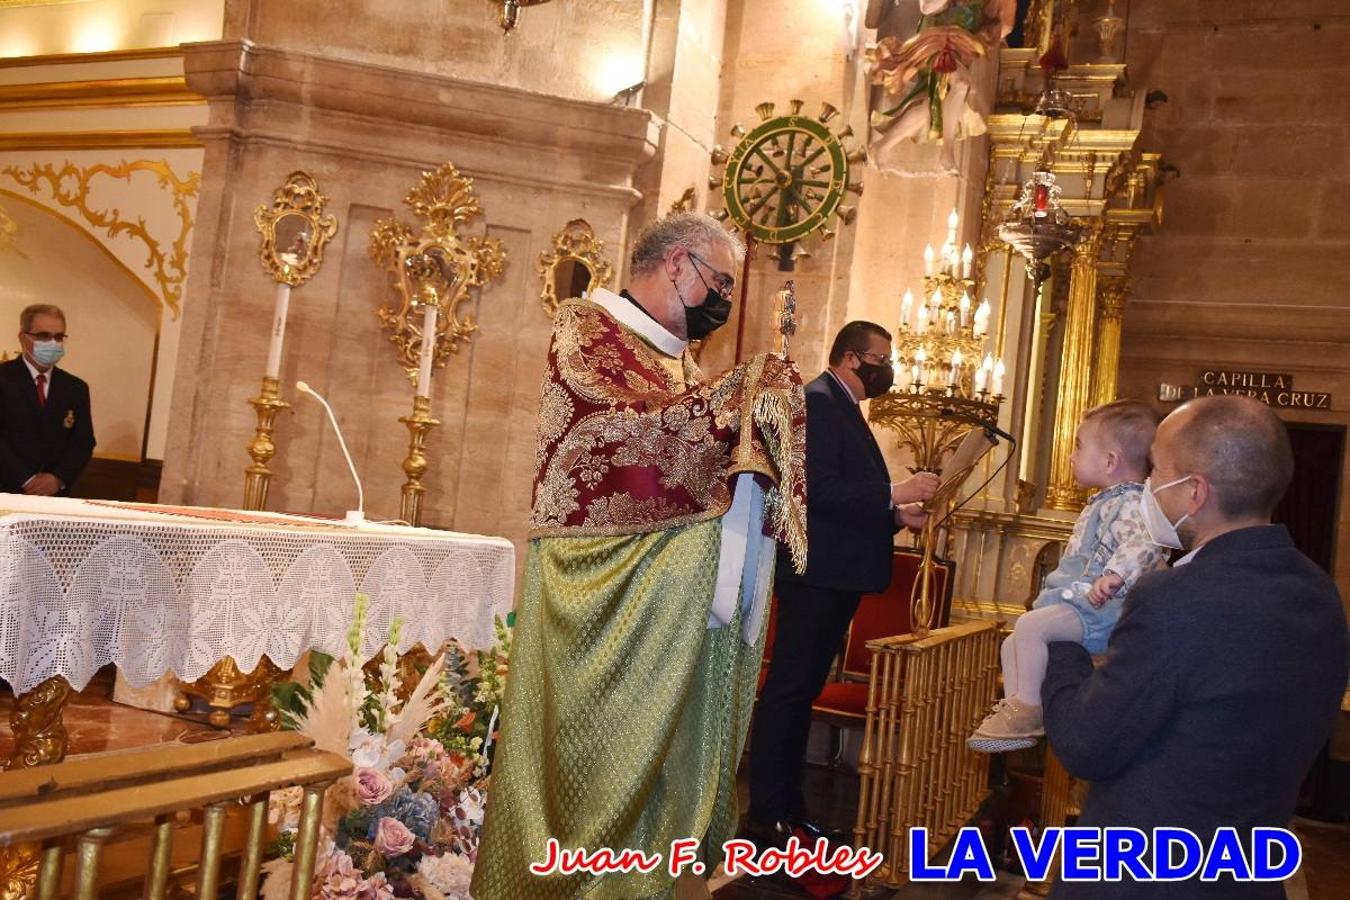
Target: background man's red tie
[(42, 390)]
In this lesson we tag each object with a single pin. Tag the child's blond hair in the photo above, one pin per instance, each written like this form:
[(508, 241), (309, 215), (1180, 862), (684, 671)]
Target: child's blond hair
[(1129, 425)]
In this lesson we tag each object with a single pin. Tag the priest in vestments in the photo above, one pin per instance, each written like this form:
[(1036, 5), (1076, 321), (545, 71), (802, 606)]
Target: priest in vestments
[(657, 503)]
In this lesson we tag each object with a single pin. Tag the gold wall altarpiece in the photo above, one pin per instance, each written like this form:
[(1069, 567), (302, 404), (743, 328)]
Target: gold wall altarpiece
[(1061, 341)]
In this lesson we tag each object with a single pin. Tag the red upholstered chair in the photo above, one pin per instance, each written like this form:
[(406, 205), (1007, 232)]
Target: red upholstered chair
[(843, 702)]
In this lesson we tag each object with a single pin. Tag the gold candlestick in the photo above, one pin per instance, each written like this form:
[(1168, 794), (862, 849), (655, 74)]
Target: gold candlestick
[(257, 477), (419, 423)]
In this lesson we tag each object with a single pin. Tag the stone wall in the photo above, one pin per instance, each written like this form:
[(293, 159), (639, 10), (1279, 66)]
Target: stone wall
[(583, 50), (366, 133), (1249, 268)]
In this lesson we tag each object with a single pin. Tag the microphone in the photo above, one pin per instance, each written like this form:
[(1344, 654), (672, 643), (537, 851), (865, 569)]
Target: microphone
[(990, 428), (354, 516)]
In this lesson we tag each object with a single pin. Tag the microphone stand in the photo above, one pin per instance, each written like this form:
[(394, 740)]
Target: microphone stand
[(419, 423)]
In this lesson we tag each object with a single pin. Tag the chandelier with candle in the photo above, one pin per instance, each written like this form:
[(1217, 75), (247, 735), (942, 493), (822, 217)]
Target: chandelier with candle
[(1038, 226), (946, 377)]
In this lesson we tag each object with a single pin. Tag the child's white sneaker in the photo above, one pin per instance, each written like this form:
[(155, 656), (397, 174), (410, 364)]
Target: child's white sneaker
[(1011, 725)]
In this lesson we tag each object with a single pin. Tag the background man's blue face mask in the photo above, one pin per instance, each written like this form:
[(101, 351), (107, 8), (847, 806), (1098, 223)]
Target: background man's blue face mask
[(48, 353)]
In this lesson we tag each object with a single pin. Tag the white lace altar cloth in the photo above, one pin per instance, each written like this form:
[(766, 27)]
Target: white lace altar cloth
[(84, 584)]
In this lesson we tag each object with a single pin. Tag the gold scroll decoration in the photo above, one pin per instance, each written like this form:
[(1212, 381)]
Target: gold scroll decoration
[(438, 265), (574, 265), (69, 186), (294, 230)]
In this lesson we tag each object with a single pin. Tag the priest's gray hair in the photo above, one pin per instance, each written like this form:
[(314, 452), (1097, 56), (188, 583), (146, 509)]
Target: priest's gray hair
[(694, 231)]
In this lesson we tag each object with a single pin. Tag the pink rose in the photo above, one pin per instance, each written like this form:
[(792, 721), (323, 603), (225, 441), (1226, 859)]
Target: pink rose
[(392, 837), (372, 787)]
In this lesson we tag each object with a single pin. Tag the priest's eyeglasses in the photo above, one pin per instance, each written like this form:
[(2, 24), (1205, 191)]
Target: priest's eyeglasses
[(723, 283), (43, 336)]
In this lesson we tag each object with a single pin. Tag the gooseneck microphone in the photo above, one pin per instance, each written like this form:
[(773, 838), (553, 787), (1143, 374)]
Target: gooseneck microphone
[(354, 516), (990, 427)]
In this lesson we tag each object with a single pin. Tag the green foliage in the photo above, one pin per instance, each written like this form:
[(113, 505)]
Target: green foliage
[(291, 698), (474, 686)]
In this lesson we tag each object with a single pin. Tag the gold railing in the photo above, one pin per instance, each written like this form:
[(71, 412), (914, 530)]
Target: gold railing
[(925, 697), (77, 807)]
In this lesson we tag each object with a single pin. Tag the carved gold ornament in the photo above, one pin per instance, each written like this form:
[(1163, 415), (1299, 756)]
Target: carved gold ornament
[(439, 266), (685, 203), (574, 266), (9, 232), (295, 230), (69, 186)]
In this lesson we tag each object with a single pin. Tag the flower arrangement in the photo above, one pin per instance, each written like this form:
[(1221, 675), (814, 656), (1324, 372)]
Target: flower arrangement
[(406, 823)]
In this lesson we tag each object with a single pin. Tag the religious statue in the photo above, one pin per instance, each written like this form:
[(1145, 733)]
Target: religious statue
[(926, 85)]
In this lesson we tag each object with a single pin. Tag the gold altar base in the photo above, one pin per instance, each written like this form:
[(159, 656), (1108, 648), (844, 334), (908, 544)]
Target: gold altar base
[(37, 725), (40, 739), (224, 687), (415, 466), (258, 477)]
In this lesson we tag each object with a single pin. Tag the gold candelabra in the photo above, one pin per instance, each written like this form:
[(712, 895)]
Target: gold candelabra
[(419, 424), (946, 385), (946, 381), (258, 477)]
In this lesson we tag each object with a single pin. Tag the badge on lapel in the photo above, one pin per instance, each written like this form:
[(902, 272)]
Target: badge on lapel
[(70, 419)]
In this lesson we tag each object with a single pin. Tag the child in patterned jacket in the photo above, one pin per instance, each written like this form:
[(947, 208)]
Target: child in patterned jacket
[(1082, 598)]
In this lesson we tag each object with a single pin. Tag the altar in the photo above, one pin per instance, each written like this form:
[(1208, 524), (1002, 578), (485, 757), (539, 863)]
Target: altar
[(161, 591)]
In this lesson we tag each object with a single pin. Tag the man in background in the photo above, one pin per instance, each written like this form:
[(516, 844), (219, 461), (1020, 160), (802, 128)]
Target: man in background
[(1223, 678), (853, 511), (46, 432)]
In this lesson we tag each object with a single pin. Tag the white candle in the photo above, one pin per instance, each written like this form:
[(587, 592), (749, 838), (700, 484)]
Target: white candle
[(429, 311), (965, 309), (955, 377), (967, 260), (915, 378), (951, 322), (952, 222), (927, 259), (906, 375), (998, 378), (278, 330), (981, 379), (982, 319), (923, 319), (906, 309)]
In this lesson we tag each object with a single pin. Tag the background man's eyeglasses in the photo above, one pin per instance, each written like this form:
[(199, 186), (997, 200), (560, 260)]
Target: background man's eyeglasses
[(59, 336), (866, 353)]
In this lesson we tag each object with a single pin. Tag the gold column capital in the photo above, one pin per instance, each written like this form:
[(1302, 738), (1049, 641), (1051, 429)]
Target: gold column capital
[(1112, 293)]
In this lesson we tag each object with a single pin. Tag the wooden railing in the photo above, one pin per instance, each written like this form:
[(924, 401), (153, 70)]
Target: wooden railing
[(926, 695), (76, 807)]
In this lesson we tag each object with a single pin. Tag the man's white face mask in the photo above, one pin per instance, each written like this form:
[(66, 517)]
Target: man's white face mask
[(1161, 530)]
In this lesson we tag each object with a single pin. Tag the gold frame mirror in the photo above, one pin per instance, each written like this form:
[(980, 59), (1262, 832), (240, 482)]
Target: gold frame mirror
[(438, 266), (294, 230), (574, 266)]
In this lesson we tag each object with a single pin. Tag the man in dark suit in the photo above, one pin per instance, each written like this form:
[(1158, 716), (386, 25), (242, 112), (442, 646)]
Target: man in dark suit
[(1223, 678), (853, 511), (46, 433)]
